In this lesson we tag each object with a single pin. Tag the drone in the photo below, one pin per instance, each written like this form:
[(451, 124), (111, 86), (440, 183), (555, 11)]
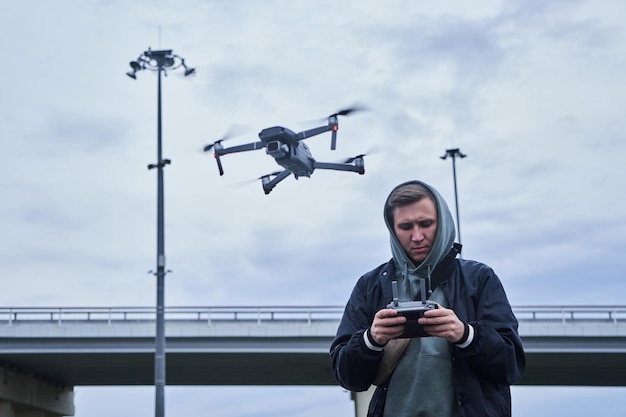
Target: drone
[(290, 152)]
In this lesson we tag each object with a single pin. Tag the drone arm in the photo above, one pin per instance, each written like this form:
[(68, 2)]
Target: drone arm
[(219, 150), (268, 185), (358, 166), (313, 132), (240, 148)]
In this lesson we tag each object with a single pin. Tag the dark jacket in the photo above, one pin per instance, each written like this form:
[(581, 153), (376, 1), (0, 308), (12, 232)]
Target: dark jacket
[(483, 371)]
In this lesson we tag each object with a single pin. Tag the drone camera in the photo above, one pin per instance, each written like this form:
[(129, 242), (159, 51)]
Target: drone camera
[(277, 149)]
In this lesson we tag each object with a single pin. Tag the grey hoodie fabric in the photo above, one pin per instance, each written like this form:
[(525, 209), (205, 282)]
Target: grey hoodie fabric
[(410, 273), (422, 383)]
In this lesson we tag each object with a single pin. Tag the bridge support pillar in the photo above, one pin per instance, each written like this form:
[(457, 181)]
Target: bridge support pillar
[(362, 401), (25, 395)]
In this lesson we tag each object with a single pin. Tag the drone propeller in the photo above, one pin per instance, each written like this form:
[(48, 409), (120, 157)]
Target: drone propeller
[(332, 120), (346, 112), (272, 174), (246, 182), (234, 131), (216, 144), (343, 112), (353, 158), (210, 146)]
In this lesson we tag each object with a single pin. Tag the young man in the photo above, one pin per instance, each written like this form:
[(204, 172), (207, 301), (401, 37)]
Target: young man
[(472, 354)]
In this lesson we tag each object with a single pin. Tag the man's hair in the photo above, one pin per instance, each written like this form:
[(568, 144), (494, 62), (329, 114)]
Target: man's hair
[(405, 195)]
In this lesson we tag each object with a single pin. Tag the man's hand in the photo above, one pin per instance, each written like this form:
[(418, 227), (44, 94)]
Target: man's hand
[(387, 325), (443, 322)]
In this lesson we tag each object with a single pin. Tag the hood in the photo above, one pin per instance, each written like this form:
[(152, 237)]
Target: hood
[(444, 240)]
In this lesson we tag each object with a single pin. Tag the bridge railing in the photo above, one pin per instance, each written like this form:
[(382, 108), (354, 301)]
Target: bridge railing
[(565, 314), (110, 315), (12, 315)]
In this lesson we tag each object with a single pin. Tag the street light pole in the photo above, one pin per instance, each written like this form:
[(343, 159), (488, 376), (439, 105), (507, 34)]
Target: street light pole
[(454, 153), (161, 62)]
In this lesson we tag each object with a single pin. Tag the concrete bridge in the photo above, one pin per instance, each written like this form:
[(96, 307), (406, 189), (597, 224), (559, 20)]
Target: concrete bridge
[(45, 352)]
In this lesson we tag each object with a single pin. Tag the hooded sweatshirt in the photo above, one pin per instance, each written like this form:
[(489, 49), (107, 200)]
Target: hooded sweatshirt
[(422, 383), (444, 239)]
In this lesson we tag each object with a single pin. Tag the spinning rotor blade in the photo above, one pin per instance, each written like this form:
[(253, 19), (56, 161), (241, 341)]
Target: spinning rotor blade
[(348, 111), (343, 112), (352, 158), (269, 175), (210, 146), (233, 131), (332, 120), (246, 182)]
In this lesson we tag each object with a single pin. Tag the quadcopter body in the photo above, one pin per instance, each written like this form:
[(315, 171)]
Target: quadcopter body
[(293, 155), (291, 152)]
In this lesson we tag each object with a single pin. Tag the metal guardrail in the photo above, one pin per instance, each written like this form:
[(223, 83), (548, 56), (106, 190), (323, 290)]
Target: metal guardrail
[(110, 315), (568, 314)]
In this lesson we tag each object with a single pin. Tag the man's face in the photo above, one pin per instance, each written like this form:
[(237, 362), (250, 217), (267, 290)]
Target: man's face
[(416, 227)]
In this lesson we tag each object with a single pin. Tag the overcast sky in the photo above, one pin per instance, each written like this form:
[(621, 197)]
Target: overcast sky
[(532, 91)]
